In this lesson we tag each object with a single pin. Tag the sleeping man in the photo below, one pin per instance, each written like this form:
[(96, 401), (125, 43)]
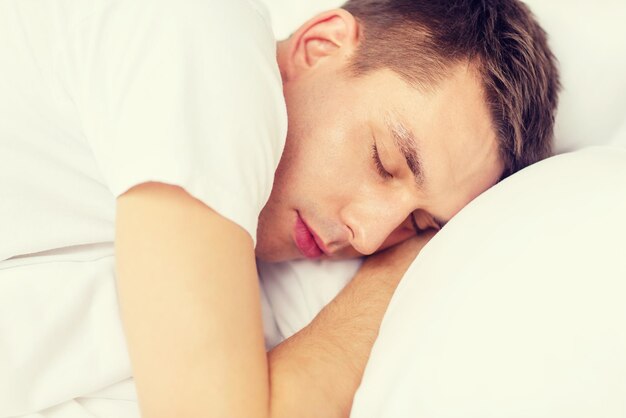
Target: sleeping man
[(181, 135)]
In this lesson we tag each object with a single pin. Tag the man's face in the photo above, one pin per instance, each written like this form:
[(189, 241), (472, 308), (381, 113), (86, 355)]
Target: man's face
[(344, 187)]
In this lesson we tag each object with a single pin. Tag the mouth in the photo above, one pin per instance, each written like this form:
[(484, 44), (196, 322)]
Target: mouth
[(306, 240)]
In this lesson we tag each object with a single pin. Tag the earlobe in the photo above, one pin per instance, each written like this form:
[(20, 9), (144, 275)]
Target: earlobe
[(332, 34)]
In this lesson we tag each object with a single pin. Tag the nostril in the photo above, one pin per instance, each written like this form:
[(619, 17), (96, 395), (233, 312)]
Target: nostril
[(351, 235)]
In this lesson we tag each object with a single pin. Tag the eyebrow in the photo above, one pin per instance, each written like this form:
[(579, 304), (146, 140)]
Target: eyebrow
[(406, 143)]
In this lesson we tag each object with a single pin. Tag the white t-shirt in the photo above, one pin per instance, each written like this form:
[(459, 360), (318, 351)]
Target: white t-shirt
[(97, 96)]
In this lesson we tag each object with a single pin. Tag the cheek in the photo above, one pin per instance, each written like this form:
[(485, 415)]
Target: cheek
[(325, 161)]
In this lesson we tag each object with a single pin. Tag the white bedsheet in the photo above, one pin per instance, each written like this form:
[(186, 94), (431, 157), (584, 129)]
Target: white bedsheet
[(74, 363), (60, 334), (116, 401)]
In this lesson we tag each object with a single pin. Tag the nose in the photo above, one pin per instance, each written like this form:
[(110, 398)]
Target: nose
[(371, 223)]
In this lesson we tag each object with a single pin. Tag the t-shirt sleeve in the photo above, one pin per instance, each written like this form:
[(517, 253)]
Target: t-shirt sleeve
[(182, 92)]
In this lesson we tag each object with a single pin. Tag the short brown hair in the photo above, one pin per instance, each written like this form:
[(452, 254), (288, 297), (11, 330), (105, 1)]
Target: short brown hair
[(422, 39)]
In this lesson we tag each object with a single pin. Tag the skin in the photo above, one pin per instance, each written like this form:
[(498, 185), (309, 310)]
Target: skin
[(186, 276), (336, 118)]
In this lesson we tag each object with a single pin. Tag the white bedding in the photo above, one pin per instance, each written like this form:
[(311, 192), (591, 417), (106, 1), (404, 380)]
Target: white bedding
[(60, 335), (116, 401)]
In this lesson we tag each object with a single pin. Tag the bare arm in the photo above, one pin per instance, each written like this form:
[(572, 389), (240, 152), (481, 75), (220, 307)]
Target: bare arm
[(316, 372), (190, 306)]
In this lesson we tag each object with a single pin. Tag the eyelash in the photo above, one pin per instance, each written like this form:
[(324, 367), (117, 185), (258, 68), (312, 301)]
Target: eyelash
[(379, 164), (416, 227), (434, 225)]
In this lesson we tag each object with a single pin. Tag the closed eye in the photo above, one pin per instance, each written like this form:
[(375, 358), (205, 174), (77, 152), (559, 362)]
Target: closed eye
[(417, 229), (379, 164)]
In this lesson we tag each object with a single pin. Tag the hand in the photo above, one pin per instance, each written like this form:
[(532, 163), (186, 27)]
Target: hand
[(393, 262)]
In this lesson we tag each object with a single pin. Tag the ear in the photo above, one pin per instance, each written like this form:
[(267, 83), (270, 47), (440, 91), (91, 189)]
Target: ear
[(329, 35)]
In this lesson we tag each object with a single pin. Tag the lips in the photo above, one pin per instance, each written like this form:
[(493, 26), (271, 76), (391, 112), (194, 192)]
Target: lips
[(305, 239)]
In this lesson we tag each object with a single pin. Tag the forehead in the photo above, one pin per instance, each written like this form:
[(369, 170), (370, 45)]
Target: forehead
[(449, 128)]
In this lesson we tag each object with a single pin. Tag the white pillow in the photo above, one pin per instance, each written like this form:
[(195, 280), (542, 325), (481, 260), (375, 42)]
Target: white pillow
[(516, 308), (620, 138), (288, 15), (589, 39)]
